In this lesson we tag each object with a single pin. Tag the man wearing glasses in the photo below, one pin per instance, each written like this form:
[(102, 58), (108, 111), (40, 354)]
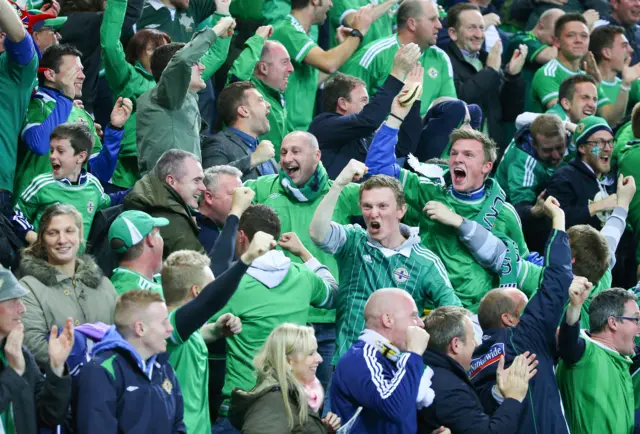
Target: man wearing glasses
[(584, 187), (602, 353)]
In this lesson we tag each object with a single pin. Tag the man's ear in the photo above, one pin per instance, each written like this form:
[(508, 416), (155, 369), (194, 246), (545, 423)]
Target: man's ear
[(342, 104), (452, 33), (195, 290), (49, 75), (565, 104)]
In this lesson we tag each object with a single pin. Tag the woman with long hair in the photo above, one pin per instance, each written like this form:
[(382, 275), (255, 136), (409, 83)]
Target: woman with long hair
[(60, 284), (287, 397)]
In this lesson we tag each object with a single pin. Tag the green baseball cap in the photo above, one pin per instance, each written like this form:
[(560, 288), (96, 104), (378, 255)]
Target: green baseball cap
[(55, 22), (132, 226), (589, 126)]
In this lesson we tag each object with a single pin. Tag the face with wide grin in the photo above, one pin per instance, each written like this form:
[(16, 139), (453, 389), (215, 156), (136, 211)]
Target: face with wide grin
[(298, 159), (598, 156), (62, 239), (467, 165)]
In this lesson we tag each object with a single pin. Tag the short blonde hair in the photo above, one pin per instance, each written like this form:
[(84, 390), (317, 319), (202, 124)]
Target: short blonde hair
[(180, 271), (271, 363), (488, 145), (130, 305), (384, 181)]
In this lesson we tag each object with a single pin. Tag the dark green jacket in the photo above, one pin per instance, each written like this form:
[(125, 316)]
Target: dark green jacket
[(157, 198)]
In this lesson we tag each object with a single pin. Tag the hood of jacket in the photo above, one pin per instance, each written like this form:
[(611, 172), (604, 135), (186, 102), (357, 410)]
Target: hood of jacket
[(412, 238), (151, 192), (113, 341), (87, 271), (242, 400), (270, 269)]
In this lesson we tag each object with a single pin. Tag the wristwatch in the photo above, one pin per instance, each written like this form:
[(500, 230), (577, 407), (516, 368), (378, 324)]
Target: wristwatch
[(357, 33)]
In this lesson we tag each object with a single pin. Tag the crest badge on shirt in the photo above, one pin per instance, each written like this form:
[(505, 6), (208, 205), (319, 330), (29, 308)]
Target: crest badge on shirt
[(433, 72), (187, 22), (400, 275), (167, 386), (90, 207)]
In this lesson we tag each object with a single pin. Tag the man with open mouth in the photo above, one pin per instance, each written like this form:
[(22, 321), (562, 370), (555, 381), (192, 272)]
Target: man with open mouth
[(387, 254), (469, 192)]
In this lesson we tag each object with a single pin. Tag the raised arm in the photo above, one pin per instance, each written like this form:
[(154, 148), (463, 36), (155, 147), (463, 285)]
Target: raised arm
[(321, 222), (191, 316), (10, 23), (243, 67), (215, 56), (330, 61), (117, 70), (616, 222), (571, 347)]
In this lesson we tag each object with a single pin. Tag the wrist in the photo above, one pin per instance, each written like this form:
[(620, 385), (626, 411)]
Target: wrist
[(305, 255), (58, 370), (246, 259)]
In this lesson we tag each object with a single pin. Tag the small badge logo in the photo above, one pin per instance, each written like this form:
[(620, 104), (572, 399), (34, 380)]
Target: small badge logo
[(167, 386), (433, 72), (580, 128), (401, 275), (90, 207), (367, 258)]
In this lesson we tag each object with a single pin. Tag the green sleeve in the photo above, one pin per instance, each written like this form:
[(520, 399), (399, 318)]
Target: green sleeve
[(296, 41), (27, 203), (201, 9), (243, 67), (535, 47), (273, 10), (174, 82), (174, 337), (603, 99), (544, 88), (215, 56), (529, 277), (117, 70), (521, 181), (350, 200), (514, 229), (417, 190), (438, 285), (321, 294), (448, 87), (346, 250), (36, 114)]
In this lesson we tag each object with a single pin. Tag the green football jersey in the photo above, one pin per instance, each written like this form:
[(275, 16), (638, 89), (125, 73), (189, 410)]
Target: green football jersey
[(296, 217), (190, 362), (373, 64), (366, 266), (31, 165), (610, 89), (300, 95), (634, 96), (87, 197), (597, 391), (124, 280), (521, 175), (469, 279), (261, 309), (380, 28), (16, 82), (546, 83), (629, 165)]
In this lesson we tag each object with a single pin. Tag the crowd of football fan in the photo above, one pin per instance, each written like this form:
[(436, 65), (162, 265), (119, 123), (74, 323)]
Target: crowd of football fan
[(319, 216)]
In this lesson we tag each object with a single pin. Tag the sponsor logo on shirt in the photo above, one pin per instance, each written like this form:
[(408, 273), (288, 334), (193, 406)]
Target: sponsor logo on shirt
[(132, 388), (367, 258), (489, 358), (152, 26), (401, 275), (90, 207), (274, 196), (433, 72), (167, 386)]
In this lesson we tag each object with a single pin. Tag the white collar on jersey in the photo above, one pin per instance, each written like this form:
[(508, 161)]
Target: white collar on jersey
[(405, 248)]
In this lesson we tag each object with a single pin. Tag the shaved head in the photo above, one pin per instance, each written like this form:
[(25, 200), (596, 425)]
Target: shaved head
[(549, 17), (269, 48), (302, 138), (390, 311)]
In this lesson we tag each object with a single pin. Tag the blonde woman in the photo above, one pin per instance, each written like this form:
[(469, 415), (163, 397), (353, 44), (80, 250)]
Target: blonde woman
[(60, 284), (288, 396)]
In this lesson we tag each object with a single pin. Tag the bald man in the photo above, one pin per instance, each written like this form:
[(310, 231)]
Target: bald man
[(267, 65), (507, 333), (383, 371), (295, 193)]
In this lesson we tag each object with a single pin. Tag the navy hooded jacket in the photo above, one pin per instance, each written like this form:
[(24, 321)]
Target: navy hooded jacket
[(118, 392), (536, 332)]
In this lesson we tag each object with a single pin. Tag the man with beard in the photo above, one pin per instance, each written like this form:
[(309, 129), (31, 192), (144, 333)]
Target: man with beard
[(385, 255), (244, 111), (418, 22), (571, 37), (309, 59), (583, 187)]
